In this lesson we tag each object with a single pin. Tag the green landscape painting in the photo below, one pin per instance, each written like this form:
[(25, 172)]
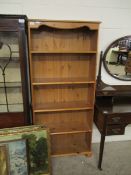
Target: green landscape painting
[(16, 157)]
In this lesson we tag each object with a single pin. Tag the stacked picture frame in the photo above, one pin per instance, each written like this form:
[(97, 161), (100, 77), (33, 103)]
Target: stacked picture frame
[(25, 151)]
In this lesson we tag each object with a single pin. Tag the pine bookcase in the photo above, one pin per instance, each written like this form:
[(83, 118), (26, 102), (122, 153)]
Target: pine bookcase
[(63, 78)]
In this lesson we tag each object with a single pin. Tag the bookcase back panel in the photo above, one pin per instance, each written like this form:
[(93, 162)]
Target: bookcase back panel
[(63, 94), (63, 66), (48, 39), (66, 121), (71, 143)]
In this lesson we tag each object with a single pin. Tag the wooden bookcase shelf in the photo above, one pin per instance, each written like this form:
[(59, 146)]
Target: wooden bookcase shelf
[(63, 52), (63, 74), (60, 81), (69, 132), (63, 66), (68, 106), (71, 121)]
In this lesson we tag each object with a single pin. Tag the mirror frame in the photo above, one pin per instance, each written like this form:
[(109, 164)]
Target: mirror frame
[(104, 57)]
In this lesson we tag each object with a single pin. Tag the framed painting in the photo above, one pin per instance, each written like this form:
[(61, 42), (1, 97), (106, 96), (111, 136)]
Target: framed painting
[(38, 146), (3, 160), (13, 157)]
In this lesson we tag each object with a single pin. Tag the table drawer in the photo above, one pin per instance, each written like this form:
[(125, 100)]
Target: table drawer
[(115, 130), (115, 119)]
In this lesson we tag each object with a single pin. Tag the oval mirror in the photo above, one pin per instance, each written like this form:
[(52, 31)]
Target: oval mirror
[(117, 58)]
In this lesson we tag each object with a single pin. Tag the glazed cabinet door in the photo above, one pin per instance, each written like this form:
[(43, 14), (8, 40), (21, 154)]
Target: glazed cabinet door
[(14, 89)]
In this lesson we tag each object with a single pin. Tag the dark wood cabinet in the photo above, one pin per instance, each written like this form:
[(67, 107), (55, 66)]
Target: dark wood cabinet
[(112, 109), (14, 76)]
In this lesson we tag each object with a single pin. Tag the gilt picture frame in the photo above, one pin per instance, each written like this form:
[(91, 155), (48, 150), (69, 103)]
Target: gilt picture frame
[(38, 146)]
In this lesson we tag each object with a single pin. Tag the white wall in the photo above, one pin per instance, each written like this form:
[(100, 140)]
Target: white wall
[(115, 16)]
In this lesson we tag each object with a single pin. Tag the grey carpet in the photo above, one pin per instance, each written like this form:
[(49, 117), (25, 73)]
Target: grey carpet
[(116, 161)]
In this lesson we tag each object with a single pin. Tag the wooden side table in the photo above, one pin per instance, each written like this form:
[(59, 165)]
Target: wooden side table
[(111, 116)]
